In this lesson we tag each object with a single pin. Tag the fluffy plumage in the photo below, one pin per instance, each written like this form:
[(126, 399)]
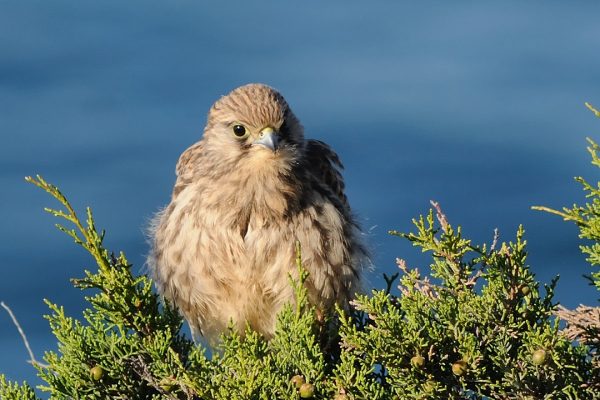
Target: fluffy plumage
[(245, 193)]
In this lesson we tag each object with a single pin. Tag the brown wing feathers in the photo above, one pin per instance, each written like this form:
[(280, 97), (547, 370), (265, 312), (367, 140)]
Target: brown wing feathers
[(326, 165)]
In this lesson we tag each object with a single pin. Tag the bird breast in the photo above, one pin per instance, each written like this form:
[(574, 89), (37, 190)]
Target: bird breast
[(228, 251)]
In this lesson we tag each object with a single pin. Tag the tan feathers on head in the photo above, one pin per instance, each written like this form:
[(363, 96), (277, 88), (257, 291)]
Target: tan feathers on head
[(245, 193)]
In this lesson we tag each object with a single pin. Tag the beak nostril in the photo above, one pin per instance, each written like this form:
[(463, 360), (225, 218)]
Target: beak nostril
[(268, 138)]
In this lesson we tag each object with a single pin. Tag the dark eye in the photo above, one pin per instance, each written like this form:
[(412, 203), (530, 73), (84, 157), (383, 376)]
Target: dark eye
[(239, 130)]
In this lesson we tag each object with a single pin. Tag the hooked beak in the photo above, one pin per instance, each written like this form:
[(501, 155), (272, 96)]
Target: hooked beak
[(267, 138)]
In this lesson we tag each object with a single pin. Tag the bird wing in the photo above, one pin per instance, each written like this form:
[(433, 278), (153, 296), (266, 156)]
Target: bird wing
[(325, 164), (185, 167), (188, 159)]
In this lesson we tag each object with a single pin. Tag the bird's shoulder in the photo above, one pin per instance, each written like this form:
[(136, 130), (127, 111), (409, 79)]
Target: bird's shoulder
[(186, 166), (326, 166), (189, 158)]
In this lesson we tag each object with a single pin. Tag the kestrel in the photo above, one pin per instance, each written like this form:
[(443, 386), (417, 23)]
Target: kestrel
[(224, 248)]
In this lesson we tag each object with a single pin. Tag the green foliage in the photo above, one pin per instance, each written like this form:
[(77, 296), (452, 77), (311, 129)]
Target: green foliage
[(474, 343), (583, 324), (128, 334), (587, 217), (10, 390), (476, 325)]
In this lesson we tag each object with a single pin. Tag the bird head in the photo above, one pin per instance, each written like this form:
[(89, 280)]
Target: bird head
[(254, 121)]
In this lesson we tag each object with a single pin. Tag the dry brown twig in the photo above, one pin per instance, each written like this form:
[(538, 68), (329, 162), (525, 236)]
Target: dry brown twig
[(472, 281), (441, 217), (422, 285), (583, 325), (32, 359), (495, 240), (580, 323), (141, 368)]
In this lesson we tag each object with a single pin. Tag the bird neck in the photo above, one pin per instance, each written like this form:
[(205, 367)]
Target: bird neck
[(269, 188)]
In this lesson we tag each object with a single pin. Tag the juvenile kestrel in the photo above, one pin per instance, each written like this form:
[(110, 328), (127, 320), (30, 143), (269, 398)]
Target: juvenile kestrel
[(224, 247)]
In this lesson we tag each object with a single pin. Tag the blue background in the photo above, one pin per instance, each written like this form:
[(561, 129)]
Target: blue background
[(477, 105)]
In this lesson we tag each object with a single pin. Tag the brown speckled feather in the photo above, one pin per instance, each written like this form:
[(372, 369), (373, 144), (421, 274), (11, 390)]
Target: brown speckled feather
[(326, 166), (250, 189)]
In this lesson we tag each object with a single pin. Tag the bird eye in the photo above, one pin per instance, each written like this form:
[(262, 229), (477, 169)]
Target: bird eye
[(239, 130)]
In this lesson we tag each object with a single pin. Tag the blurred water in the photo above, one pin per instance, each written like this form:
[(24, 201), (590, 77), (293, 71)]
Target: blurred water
[(478, 106)]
